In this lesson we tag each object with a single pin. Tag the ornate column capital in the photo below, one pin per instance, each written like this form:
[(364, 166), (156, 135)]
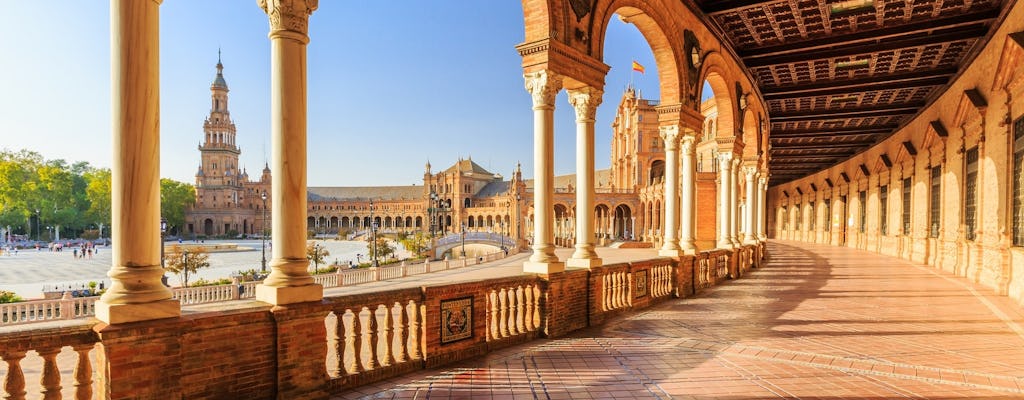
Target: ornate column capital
[(289, 18), (585, 100), (750, 172), (670, 135), (725, 161), (543, 86), (687, 144)]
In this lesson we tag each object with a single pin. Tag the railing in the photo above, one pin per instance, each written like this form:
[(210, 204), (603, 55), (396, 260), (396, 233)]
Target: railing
[(66, 307), (615, 288), (47, 343), (46, 310), (513, 310)]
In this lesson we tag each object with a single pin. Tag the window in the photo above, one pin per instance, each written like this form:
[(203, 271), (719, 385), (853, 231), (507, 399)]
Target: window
[(862, 198), (935, 206), (810, 223), (971, 194), (883, 209), (827, 223), (1018, 182), (796, 213), (785, 219), (906, 206)]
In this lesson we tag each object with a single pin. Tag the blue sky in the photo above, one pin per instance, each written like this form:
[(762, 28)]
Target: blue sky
[(391, 85)]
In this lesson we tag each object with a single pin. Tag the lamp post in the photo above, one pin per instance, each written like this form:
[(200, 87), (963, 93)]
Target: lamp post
[(373, 236), (263, 234), (163, 231), (463, 240), (38, 233), (518, 225), (316, 258), (432, 213), (184, 267)]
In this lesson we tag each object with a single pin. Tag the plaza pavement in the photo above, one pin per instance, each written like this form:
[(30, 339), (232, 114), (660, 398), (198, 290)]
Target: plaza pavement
[(818, 322)]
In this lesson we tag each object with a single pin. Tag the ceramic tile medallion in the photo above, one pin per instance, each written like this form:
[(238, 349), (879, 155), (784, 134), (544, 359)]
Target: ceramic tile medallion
[(641, 283), (456, 319)]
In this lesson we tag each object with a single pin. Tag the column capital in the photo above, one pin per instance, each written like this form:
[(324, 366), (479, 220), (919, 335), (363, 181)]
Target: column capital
[(763, 181), (688, 144), (669, 134), (725, 160), (585, 100), (750, 172), (543, 86), (289, 18)]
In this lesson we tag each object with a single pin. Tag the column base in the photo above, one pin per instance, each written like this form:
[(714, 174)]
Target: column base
[(134, 312), (670, 253), (289, 294), (547, 268), (584, 262)]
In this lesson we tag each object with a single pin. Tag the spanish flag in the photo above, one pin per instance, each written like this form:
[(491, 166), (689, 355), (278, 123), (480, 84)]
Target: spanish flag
[(637, 67)]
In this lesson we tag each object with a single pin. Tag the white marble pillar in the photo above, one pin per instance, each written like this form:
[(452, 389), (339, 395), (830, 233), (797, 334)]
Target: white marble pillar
[(136, 293), (670, 135), (734, 195), (724, 199), (688, 209), (289, 280), (543, 86), (762, 207), (748, 229), (585, 101)]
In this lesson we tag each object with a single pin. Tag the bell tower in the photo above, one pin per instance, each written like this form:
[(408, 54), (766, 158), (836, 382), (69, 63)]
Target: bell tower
[(219, 181)]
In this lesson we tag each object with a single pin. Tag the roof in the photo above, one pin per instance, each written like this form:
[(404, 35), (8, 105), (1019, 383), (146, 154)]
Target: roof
[(493, 189), (468, 165), (321, 193)]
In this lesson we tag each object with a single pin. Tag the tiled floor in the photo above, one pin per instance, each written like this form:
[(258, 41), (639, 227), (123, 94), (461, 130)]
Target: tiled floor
[(818, 322)]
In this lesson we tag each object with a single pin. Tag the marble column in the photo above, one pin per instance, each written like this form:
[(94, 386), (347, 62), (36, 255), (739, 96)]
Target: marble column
[(688, 209), (585, 101), (136, 293), (543, 86), (762, 207), (724, 199), (289, 280), (748, 228), (670, 135), (734, 199)]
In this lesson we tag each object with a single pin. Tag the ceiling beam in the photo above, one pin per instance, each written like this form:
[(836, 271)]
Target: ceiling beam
[(845, 50), (857, 130), (712, 7), (925, 26), (937, 77), (865, 112), (823, 146)]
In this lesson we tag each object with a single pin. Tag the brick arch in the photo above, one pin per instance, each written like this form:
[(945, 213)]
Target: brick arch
[(718, 77), (652, 23), (751, 140)]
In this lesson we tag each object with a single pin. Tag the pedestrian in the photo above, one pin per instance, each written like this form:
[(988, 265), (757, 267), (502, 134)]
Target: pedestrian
[(90, 252), (76, 253)]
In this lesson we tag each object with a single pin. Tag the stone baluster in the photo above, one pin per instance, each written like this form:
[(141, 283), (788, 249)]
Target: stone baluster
[(414, 332), (14, 381), (336, 342), (503, 317), (373, 330), (403, 321), (520, 309), (492, 326), (528, 318), (83, 372), (512, 329), (357, 342), (50, 377), (389, 336)]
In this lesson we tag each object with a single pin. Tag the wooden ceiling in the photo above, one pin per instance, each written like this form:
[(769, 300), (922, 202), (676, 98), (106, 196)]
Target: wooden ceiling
[(840, 76)]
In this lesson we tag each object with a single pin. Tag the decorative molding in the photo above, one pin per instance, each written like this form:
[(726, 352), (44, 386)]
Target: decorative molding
[(581, 8), (585, 100), (687, 144), (289, 15), (864, 170), (543, 86), (846, 178), (670, 135), (828, 181), (814, 188)]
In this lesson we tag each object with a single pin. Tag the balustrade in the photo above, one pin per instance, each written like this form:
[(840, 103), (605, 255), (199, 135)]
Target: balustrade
[(18, 344)]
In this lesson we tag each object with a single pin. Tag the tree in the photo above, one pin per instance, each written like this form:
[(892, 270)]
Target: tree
[(185, 261), (175, 197), (415, 242), (384, 248), (97, 193), (316, 254)]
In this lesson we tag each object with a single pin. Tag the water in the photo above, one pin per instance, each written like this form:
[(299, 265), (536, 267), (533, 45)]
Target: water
[(27, 272)]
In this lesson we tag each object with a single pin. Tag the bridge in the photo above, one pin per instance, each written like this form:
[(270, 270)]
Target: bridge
[(453, 240)]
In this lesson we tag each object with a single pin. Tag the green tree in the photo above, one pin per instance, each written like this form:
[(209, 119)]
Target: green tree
[(9, 297), (97, 193), (316, 254), (384, 248), (415, 242), (175, 198), (186, 261)]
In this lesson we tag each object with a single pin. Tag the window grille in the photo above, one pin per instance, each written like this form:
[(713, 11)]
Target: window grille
[(971, 194), (883, 209), (906, 206), (862, 206), (1018, 182), (935, 208)]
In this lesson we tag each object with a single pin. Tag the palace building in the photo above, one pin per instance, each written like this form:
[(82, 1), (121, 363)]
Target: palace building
[(465, 195)]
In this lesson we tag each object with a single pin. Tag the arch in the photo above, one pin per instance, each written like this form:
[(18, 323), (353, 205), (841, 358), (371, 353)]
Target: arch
[(310, 223), (715, 73), (467, 203), (751, 139), (419, 222), (623, 216), (345, 222), (656, 173), (652, 23), (208, 227), (333, 222), (387, 222)]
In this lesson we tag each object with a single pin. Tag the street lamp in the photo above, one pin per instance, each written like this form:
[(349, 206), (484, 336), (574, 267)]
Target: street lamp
[(316, 258), (38, 233), (263, 234), (184, 267), (463, 240), (518, 225), (163, 230), (373, 235)]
